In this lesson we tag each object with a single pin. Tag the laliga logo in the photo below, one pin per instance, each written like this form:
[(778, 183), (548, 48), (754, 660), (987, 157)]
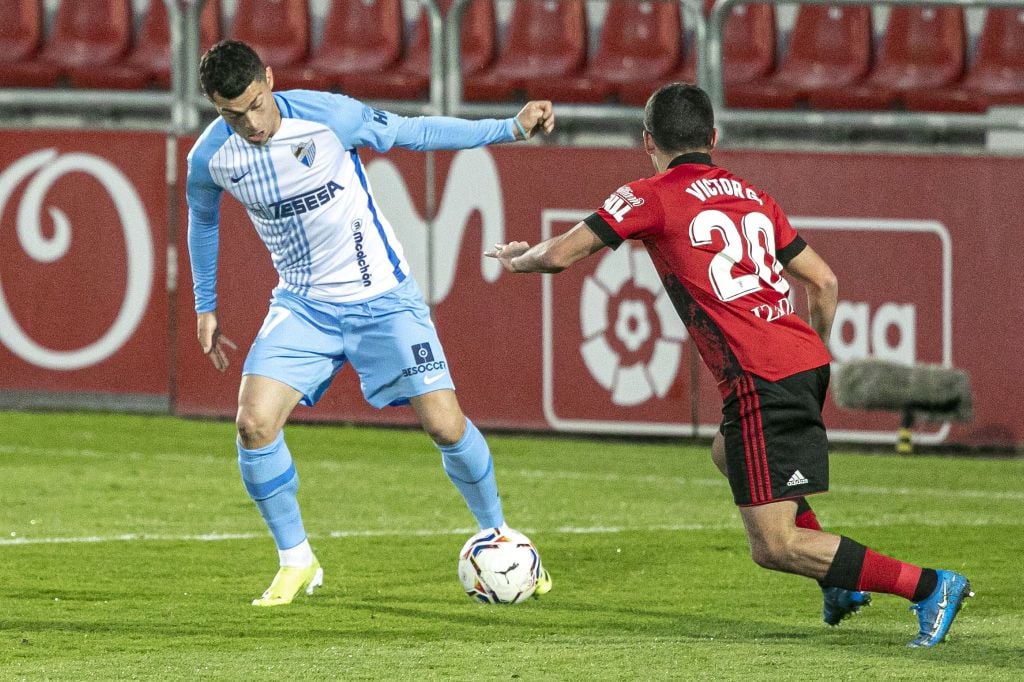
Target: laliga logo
[(48, 168), (619, 307), (472, 185)]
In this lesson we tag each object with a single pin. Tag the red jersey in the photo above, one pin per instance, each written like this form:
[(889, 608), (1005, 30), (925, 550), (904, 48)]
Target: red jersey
[(719, 245)]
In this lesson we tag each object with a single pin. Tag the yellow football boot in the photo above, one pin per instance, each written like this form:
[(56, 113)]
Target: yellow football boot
[(287, 583), (544, 583)]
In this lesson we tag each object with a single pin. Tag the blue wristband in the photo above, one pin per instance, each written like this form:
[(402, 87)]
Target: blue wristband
[(519, 126)]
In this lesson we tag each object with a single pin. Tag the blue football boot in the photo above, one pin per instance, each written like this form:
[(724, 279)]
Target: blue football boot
[(840, 603), (937, 611)]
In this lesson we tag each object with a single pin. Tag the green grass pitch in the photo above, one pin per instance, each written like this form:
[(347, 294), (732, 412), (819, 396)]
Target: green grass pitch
[(129, 550)]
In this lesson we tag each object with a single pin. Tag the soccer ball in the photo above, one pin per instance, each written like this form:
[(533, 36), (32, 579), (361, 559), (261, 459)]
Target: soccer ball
[(499, 566)]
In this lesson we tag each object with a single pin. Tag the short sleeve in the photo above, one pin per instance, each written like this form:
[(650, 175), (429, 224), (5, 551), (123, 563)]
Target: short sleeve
[(632, 211), (788, 244)]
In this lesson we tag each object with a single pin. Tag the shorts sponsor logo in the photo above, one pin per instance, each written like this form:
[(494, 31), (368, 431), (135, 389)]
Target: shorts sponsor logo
[(422, 352), (423, 355)]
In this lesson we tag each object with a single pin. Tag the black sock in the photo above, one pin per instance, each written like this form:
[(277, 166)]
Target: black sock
[(926, 584), (846, 565)]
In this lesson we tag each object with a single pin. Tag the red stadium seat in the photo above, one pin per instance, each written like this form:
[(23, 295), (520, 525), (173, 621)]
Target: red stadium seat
[(23, 34), (360, 36), (277, 29), (545, 39), (829, 46), (748, 51), (19, 46), (410, 78), (748, 44), (923, 48), (150, 59), (640, 45), (995, 77), (86, 34)]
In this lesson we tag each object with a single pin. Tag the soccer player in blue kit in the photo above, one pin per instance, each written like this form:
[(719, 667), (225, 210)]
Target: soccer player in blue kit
[(345, 292)]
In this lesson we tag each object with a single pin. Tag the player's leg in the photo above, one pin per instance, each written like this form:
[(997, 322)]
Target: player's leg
[(399, 358), (268, 471), (292, 360), (839, 562), (467, 461), (269, 475), (838, 603), (464, 453), (776, 449)]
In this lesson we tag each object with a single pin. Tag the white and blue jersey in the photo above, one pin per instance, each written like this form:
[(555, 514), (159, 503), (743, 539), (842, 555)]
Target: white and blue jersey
[(308, 196), (345, 293)]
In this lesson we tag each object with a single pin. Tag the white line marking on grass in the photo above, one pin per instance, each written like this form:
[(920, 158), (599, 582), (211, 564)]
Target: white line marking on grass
[(132, 537), (853, 522)]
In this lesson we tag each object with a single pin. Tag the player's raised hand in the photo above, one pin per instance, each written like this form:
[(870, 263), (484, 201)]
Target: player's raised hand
[(213, 343), (537, 116), (506, 252)]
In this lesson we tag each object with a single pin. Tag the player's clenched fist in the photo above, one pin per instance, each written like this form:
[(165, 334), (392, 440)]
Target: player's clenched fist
[(537, 116)]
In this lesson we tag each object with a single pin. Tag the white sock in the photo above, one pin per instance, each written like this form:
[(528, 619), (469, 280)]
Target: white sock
[(299, 556)]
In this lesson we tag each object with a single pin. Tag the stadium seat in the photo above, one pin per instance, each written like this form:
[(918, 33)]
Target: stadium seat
[(85, 34), (748, 51), (923, 48), (21, 39), (277, 29), (410, 78), (19, 46), (996, 76), (748, 44), (150, 60), (640, 45), (359, 36), (829, 46), (545, 39)]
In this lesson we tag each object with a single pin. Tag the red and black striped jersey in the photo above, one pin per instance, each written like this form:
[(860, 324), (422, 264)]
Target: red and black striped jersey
[(719, 246)]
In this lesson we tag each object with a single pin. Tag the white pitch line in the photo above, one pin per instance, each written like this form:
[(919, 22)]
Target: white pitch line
[(853, 522)]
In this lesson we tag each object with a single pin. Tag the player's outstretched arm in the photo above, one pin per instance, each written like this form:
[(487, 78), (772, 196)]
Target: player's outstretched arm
[(822, 289), (213, 343), (553, 255), (536, 116)]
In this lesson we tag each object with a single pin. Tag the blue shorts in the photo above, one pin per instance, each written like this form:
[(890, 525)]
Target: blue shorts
[(390, 341)]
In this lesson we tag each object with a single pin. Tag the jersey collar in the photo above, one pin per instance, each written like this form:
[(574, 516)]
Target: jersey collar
[(691, 157)]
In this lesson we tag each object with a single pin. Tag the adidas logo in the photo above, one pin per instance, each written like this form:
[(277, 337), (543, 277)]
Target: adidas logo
[(796, 479)]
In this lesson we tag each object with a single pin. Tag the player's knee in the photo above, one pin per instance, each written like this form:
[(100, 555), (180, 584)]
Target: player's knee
[(777, 554), (445, 431), (254, 430)]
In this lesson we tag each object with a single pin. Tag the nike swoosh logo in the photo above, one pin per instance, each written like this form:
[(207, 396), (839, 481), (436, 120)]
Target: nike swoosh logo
[(941, 611), (431, 379), (239, 178)]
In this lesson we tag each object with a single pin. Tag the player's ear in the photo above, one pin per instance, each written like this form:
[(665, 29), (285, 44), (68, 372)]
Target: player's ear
[(270, 78), (649, 146), (714, 138)]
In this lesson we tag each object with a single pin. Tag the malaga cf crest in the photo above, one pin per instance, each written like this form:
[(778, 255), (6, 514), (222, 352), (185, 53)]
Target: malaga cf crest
[(305, 152)]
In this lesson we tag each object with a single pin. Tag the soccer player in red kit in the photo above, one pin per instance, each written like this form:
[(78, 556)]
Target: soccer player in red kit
[(720, 245)]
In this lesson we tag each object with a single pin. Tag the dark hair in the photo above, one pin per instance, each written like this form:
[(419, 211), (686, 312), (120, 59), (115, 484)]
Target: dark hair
[(679, 117), (228, 68)]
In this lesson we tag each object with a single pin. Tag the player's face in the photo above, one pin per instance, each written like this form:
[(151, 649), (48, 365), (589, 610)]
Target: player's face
[(253, 114)]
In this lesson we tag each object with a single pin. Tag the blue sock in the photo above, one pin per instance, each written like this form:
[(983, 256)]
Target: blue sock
[(270, 478), (469, 465)]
